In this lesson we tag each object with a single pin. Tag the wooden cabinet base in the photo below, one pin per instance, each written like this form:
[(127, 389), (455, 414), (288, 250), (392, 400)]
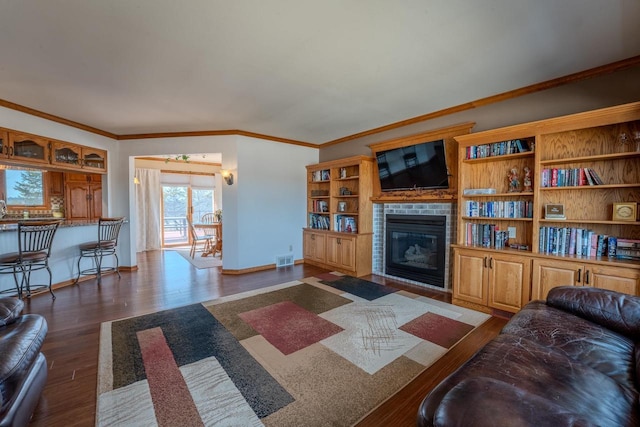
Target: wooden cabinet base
[(346, 253)]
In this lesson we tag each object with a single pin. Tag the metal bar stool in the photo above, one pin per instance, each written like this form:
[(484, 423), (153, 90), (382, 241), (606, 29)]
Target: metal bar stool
[(108, 230), (34, 248)]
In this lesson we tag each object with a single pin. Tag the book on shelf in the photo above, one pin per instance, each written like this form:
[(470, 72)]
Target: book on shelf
[(499, 209), (587, 243), (486, 236), (574, 177), (628, 249), (512, 146), (345, 223), (320, 206), (319, 222)]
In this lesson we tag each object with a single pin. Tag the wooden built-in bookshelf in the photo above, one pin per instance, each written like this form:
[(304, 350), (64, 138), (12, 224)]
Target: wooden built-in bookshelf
[(604, 141)]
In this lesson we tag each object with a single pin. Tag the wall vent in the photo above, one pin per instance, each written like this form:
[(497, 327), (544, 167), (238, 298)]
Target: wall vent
[(284, 260)]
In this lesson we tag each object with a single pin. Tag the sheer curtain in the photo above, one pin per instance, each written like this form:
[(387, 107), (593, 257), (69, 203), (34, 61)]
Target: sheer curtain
[(148, 192)]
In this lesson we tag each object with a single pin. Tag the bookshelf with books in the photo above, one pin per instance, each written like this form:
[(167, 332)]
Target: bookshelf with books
[(495, 219), (595, 158), (582, 167), (339, 228)]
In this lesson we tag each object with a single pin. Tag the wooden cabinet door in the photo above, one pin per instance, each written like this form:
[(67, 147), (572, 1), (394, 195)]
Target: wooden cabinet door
[(548, 274), (76, 200), (620, 279), (314, 246), (94, 159), (509, 282), (67, 155), (28, 148), (469, 276), (341, 252), (56, 184)]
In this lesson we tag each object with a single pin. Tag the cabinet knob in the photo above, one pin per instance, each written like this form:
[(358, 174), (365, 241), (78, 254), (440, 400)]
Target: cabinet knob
[(586, 277), (579, 275)]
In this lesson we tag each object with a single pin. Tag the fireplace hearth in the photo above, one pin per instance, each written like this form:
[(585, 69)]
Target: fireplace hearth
[(415, 248)]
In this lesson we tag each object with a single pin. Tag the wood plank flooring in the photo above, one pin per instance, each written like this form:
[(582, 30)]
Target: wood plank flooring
[(165, 280)]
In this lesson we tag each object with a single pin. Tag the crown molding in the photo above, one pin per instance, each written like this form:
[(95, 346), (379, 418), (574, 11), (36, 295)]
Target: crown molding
[(216, 133), (57, 119)]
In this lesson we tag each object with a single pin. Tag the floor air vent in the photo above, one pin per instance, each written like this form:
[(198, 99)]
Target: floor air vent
[(284, 260)]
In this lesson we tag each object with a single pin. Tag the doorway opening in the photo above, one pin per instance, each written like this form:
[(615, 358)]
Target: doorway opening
[(182, 203)]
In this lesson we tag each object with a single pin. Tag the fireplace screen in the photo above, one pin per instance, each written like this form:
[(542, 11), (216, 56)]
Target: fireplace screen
[(415, 248)]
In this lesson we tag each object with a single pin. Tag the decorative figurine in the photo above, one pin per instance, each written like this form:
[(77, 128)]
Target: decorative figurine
[(526, 182), (514, 182)]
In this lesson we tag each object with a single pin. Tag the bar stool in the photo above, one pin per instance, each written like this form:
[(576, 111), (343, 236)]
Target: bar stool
[(34, 248), (108, 230)]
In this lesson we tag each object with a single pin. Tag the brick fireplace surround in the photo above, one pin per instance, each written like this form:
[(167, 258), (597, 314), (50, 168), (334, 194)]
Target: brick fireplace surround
[(380, 210)]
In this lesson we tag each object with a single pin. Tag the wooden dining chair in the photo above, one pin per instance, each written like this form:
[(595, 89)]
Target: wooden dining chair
[(197, 238)]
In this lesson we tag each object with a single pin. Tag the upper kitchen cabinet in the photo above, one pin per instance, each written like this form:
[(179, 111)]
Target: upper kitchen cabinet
[(74, 156), (22, 147)]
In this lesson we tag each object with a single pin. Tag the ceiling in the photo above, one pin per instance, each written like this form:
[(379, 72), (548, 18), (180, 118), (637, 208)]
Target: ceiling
[(311, 71)]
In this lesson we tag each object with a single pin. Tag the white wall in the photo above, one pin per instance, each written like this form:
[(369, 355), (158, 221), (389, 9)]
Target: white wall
[(271, 201)]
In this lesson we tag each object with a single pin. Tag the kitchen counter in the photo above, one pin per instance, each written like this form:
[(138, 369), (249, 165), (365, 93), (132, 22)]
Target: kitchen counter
[(64, 250), (11, 224)]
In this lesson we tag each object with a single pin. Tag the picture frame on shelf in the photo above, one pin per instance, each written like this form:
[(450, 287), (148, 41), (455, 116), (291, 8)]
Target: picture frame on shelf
[(627, 211), (554, 211)]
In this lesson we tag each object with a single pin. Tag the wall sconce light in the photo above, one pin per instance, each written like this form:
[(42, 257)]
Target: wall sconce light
[(228, 177)]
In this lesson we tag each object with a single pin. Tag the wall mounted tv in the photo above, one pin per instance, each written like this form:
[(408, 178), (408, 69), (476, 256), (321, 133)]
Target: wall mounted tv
[(417, 166)]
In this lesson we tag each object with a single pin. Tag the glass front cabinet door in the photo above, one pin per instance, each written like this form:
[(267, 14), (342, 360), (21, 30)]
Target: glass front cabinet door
[(30, 148)]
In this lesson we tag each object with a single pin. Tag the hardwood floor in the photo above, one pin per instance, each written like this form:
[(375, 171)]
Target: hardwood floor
[(165, 280)]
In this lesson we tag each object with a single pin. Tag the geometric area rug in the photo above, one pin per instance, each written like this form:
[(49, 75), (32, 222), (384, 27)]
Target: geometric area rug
[(324, 350)]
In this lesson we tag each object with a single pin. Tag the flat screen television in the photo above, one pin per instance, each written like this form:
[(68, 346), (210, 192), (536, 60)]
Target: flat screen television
[(417, 166)]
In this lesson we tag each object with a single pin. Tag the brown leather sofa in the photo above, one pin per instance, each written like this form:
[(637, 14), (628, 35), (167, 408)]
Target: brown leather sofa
[(23, 368), (572, 361)]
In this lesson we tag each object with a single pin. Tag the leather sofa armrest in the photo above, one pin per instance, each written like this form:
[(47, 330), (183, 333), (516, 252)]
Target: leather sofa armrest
[(10, 309), (614, 310), (487, 402)]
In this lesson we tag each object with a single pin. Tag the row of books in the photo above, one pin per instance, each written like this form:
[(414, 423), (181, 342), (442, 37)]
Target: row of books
[(499, 209), (321, 175), (569, 177), (486, 236), (320, 222), (345, 224), (512, 146), (587, 243), (320, 206)]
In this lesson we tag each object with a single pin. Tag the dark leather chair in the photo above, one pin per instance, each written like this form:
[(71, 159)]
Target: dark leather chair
[(23, 368), (34, 248), (106, 245)]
